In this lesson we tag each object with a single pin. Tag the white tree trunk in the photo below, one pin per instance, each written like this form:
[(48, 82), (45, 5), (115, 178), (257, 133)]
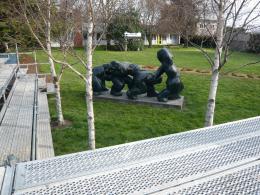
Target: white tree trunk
[(52, 68), (89, 90), (209, 118)]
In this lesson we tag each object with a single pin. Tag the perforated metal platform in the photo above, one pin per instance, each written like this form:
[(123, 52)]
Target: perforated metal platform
[(44, 137), (158, 173), (147, 166), (240, 180), (17, 124)]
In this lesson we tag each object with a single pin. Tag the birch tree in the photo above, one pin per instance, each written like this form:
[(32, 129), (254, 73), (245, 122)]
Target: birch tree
[(233, 17), (89, 91), (230, 14), (39, 25), (215, 66), (56, 82), (36, 15)]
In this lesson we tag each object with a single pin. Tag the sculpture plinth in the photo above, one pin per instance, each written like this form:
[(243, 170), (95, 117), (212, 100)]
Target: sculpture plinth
[(142, 100)]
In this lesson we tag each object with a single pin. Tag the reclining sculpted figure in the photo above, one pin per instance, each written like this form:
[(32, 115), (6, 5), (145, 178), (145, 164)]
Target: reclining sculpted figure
[(173, 83)]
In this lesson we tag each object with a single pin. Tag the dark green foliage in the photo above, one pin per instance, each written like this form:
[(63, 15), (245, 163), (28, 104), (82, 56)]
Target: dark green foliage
[(121, 23), (12, 27), (204, 41), (4, 27), (135, 44), (254, 43)]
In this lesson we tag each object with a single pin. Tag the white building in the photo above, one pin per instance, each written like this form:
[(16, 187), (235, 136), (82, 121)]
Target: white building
[(207, 28), (167, 39)]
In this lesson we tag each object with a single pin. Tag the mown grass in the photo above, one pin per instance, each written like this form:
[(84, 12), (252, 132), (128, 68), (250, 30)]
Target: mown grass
[(118, 123)]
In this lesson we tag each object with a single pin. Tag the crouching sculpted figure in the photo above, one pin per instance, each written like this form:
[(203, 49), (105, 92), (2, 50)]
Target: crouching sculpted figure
[(173, 83), (138, 81), (99, 78)]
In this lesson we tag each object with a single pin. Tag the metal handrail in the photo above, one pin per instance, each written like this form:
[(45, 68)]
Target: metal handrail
[(35, 116)]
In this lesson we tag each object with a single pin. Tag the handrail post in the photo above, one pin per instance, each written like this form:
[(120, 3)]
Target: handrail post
[(17, 55)]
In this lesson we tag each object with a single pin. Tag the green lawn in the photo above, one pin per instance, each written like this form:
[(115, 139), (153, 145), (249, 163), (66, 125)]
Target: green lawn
[(118, 123)]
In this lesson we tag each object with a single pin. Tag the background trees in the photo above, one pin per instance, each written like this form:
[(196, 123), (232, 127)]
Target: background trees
[(229, 16), (122, 22), (11, 30), (254, 43), (180, 17), (150, 13)]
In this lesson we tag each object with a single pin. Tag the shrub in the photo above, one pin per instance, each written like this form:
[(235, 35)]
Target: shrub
[(2, 48), (121, 23), (135, 45), (254, 43), (204, 41)]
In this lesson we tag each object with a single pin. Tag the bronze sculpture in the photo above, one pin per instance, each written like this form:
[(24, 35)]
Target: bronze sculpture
[(139, 81), (173, 83), (99, 79)]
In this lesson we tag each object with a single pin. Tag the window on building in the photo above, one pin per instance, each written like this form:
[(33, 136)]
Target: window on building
[(173, 37)]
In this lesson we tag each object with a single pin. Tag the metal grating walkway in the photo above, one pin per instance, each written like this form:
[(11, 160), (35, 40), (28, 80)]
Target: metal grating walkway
[(44, 137), (17, 124), (149, 166), (240, 180)]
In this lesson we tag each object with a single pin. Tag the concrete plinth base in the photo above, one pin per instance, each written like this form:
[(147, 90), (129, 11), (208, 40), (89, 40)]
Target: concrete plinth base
[(142, 99)]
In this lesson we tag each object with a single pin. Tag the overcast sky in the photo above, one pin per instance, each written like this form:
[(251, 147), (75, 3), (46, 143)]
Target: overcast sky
[(249, 6)]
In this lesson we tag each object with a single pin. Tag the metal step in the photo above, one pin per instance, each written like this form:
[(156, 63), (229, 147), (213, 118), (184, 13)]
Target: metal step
[(150, 176), (147, 164)]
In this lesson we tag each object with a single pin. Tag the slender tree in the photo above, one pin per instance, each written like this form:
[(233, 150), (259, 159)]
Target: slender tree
[(58, 23), (52, 66), (230, 14), (89, 91), (37, 17)]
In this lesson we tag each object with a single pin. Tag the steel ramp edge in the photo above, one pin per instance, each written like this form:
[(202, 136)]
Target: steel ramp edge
[(100, 160), (6, 187), (2, 174), (159, 173)]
